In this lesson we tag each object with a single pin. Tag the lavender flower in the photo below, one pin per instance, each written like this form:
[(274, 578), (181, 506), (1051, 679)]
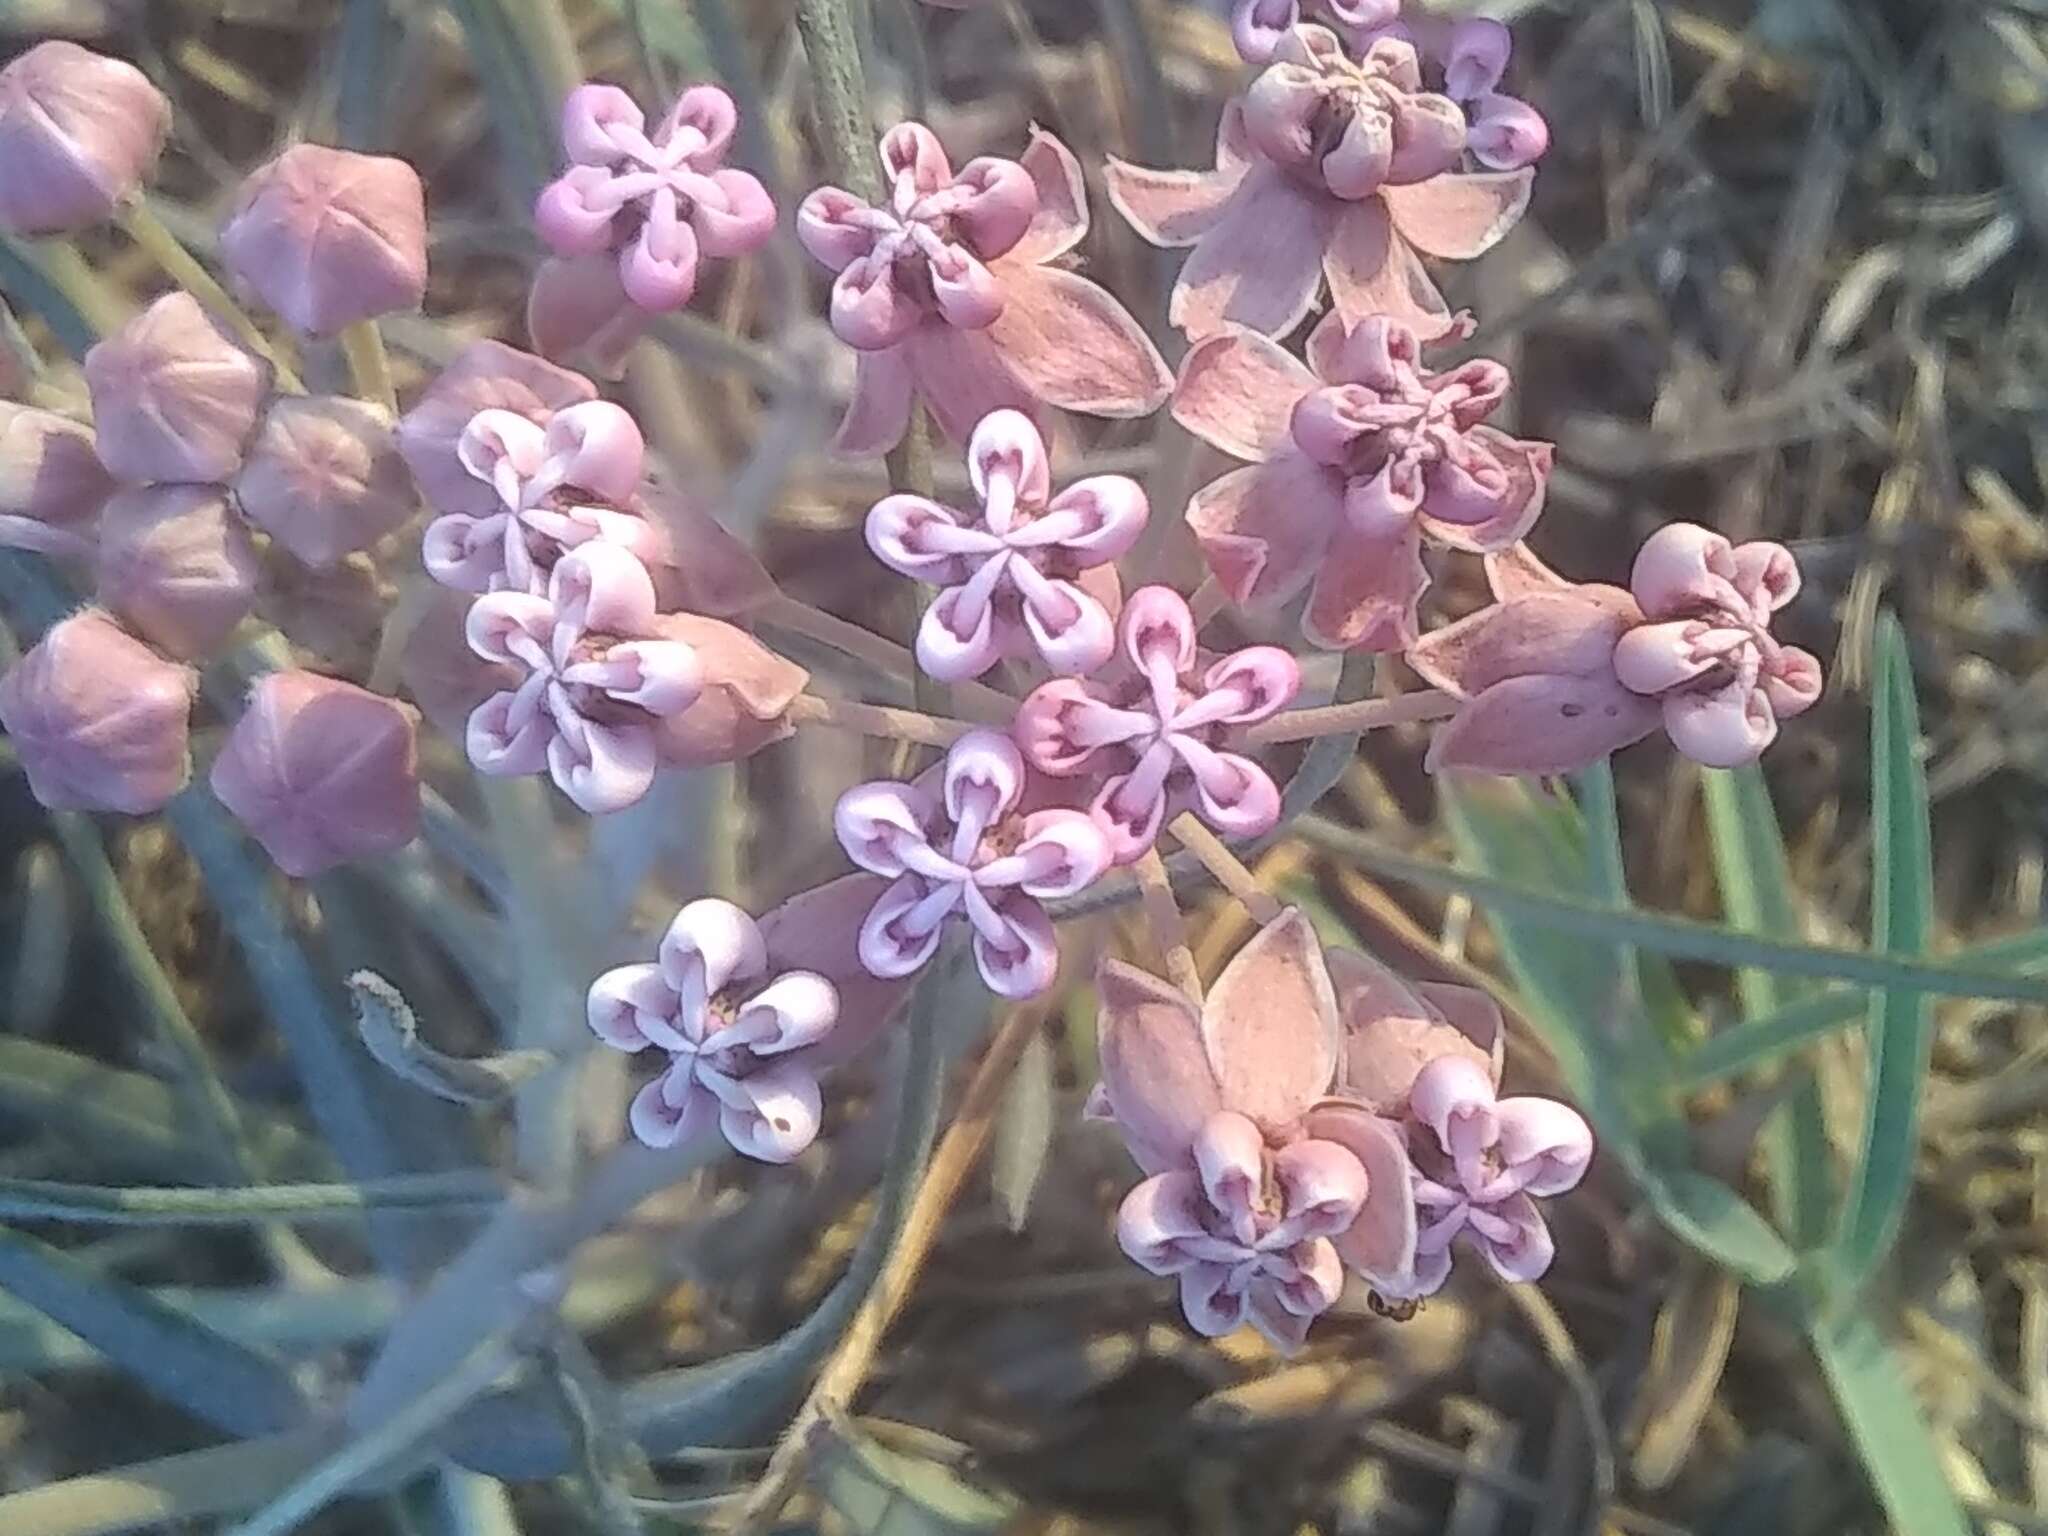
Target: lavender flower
[(173, 399), (1013, 578), (323, 478), (79, 133), (485, 376), (176, 564)]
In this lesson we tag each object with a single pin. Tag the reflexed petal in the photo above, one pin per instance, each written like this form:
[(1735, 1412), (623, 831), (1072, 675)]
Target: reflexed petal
[(632, 1007), (1157, 1221), (878, 414), (1391, 1032), (673, 1108), (1542, 724), (1073, 345), (1723, 728), (1258, 264), (779, 1117), (964, 375), (1061, 220), (1516, 572), (1366, 592), (1380, 1242), (1263, 530), (875, 822), (1373, 271), (1270, 1024), (1154, 1067), (1459, 217), (1237, 391), (1168, 208), (818, 930), (1569, 631), (1546, 1144), (714, 942), (578, 305)]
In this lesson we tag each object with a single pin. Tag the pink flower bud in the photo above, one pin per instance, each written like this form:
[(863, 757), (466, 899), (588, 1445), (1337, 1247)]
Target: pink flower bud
[(324, 478), (320, 772), (99, 719), (79, 132), (578, 306), (173, 399), (327, 237), (176, 565), (485, 376), (52, 483)]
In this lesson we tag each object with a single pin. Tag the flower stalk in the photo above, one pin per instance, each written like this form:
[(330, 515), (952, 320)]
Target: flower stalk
[(157, 242), (1351, 718), (369, 365)]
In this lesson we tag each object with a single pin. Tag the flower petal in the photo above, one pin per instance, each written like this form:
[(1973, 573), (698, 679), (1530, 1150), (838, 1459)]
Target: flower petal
[(1380, 1242), (1154, 1066), (1270, 1024), (1258, 263), (963, 375), (1366, 592), (1237, 391), (1373, 271), (1168, 208), (1546, 1144), (1391, 1032), (1542, 724), (778, 1115), (1073, 345), (878, 414), (1459, 217), (1264, 530), (1061, 222), (1569, 631), (1489, 494)]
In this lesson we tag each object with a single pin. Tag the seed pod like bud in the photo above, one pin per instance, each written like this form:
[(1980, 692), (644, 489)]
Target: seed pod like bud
[(99, 719), (52, 483), (321, 772), (486, 375), (177, 565), (78, 133), (172, 398), (327, 237), (324, 477)]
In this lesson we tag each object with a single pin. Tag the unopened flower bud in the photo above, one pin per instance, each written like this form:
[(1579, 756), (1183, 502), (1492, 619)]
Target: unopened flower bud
[(173, 399), (52, 483), (78, 133), (485, 376), (98, 719), (324, 478), (320, 772), (327, 237), (176, 565)]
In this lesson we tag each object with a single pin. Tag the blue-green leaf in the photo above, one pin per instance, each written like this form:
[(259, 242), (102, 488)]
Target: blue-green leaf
[(1885, 1422), (1717, 1221)]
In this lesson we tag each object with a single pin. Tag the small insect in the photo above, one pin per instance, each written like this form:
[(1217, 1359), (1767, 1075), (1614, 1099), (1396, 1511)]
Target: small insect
[(1393, 1311)]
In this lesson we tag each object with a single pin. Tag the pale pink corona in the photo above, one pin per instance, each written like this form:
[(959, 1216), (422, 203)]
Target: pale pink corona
[(734, 1033), (1013, 579), (956, 843)]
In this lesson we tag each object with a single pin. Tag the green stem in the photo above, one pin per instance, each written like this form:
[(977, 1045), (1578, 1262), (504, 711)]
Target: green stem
[(183, 268), (239, 1205), (846, 131), (369, 365)]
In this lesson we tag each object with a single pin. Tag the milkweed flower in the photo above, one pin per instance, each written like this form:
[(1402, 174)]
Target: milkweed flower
[(320, 772), (1257, 26), (327, 237), (173, 399), (554, 482), (956, 843), (1327, 169), (658, 203), (98, 719), (1359, 460), (484, 376), (1159, 724), (1012, 579), (1705, 651), (1246, 1203), (323, 478), (52, 484), (177, 566), (79, 133), (734, 1033), (949, 294)]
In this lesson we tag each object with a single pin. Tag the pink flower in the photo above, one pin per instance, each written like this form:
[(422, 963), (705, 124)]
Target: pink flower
[(79, 132), (1247, 1204), (98, 719), (486, 375), (1357, 464), (1257, 26), (1536, 672), (320, 772), (176, 565), (1011, 577), (658, 204), (948, 292), (1159, 724), (52, 484), (1706, 653), (173, 399), (1503, 133), (594, 678), (324, 478), (327, 237), (1325, 169), (961, 847), (536, 470), (733, 1033)]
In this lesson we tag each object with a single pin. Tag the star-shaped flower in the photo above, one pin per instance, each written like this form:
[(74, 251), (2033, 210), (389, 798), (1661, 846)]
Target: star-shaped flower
[(961, 846), (1012, 576), (1159, 724), (730, 1031)]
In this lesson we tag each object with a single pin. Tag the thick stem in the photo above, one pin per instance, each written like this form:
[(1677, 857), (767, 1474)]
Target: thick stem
[(369, 366), (1227, 867), (184, 269), (877, 720), (1351, 719), (1169, 928), (839, 89)]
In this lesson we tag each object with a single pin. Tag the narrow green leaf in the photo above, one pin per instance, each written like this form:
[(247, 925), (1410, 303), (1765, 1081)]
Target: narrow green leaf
[(1717, 1221), (240, 1205), (1884, 1421), (389, 1032), (521, 117), (1901, 1029)]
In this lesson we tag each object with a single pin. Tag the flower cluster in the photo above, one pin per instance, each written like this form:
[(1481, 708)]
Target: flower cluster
[(570, 609)]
